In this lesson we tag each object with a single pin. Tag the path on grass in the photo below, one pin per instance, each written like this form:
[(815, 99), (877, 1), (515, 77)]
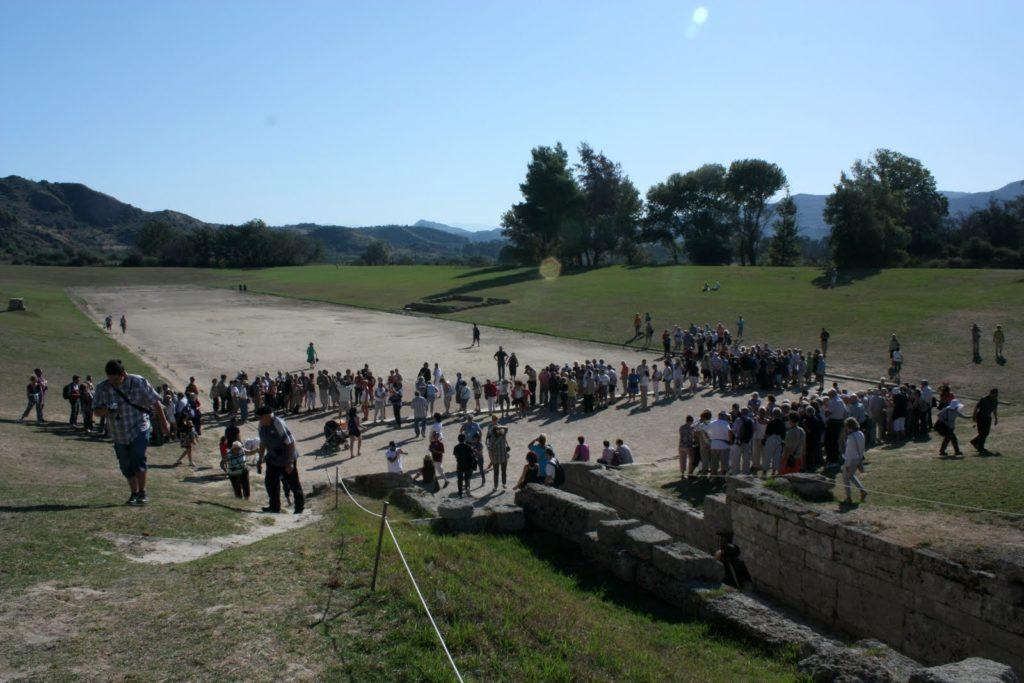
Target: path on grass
[(193, 331)]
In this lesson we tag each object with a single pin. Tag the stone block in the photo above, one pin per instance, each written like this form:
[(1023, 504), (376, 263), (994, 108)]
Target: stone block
[(751, 522), (613, 531), (810, 486), (804, 538), (970, 670), (821, 523), (640, 540), (931, 641), (622, 565), (868, 613), (866, 662), (683, 561), (379, 484), (561, 512), (455, 508), (751, 617), (479, 521), (507, 518), (717, 516), (1003, 614), (819, 594), (668, 588), (865, 561)]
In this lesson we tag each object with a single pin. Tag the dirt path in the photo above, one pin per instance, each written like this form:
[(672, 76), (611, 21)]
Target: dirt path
[(192, 331)]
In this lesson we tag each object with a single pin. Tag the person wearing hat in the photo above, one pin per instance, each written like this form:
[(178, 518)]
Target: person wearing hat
[(946, 426), (277, 449)]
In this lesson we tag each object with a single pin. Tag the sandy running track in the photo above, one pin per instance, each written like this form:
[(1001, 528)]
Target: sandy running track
[(193, 331)]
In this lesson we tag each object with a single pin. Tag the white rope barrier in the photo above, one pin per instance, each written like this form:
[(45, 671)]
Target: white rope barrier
[(412, 578)]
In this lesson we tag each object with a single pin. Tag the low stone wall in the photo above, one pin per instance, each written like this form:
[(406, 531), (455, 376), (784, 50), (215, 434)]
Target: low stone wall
[(916, 601)]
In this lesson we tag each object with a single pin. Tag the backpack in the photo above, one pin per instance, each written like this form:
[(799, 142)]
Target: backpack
[(67, 392), (559, 475), (746, 430)]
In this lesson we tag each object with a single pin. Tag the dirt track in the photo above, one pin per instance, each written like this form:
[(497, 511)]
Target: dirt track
[(192, 331)]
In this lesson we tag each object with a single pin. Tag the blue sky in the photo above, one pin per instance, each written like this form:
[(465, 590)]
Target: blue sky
[(379, 112)]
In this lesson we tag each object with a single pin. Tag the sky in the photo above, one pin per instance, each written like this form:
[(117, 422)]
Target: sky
[(377, 112)]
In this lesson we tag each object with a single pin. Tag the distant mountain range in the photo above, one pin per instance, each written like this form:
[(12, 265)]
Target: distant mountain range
[(811, 206), (44, 216)]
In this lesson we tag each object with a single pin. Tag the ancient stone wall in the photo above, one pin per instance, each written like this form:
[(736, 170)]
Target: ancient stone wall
[(916, 601)]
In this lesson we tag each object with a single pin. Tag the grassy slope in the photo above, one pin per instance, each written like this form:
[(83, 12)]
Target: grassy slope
[(513, 608)]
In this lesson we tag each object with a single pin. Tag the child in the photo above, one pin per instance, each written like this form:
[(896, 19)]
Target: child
[(234, 463), (188, 440)]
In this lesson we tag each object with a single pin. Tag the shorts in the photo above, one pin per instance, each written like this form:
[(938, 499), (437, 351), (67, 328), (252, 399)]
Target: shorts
[(131, 457)]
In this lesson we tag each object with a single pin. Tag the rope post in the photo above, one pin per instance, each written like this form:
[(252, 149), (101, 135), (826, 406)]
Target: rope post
[(380, 540), (336, 486)]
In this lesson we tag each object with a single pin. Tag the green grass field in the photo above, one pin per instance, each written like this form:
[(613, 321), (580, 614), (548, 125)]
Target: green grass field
[(513, 608)]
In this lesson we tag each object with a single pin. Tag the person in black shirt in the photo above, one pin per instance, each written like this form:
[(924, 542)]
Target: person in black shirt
[(985, 414), (465, 463)]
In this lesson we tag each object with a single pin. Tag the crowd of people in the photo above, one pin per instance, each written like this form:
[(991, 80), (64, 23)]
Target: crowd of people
[(761, 434)]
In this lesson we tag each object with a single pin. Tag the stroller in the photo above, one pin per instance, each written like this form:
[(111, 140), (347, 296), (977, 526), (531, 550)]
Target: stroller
[(335, 435)]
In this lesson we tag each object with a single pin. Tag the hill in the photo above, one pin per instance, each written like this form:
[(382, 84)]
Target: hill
[(812, 223), (485, 235), (45, 216)]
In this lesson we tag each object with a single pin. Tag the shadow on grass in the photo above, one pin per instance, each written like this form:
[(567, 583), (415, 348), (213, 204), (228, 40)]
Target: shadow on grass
[(846, 277), (54, 507), (695, 490)]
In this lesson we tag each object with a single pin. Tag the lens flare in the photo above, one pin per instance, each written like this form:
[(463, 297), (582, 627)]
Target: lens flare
[(550, 268), (700, 15)]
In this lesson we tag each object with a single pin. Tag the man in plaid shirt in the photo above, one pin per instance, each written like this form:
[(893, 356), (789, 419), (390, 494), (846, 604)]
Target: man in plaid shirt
[(127, 402)]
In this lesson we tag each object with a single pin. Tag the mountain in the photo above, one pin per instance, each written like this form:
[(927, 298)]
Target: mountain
[(44, 216), (809, 207), (487, 235), (52, 218)]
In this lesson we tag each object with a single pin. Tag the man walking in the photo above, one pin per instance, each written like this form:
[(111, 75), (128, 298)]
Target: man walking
[(476, 336), (419, 415), (976, 342), (985, 415), (824, 341), (127, 401), (277, 449), (998, 339)]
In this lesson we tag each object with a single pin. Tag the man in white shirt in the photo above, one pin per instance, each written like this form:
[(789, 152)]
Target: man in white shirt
[(718, 431), (927, 395)]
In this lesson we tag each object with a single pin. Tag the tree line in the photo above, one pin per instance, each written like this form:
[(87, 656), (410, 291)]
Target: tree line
[(250, 245), (885, 211)]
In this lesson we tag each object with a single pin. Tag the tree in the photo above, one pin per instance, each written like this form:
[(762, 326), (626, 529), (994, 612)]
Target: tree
[(377, 253), (693, 206), (549, 219), (865, 220), (785, 247), (750, 184), (611, 206), (919, 206)]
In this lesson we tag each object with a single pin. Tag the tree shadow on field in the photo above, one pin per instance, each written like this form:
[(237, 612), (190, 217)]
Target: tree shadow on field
[(846, 277), (504, 277)]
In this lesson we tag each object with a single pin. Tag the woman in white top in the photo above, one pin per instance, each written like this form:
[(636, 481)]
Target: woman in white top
[(656, 379), (853, 459), (394, 456)]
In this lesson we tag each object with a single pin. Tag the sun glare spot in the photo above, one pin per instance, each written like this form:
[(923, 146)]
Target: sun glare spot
[(700, 15)]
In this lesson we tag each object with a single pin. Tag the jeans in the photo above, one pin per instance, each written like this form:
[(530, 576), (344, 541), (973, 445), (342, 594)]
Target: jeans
[(532, 386), (275, 474), (501, 371), (131, 457), (950, 438), (75, 407), (240, 484), (398, 416), (419, 426), (34, 401)]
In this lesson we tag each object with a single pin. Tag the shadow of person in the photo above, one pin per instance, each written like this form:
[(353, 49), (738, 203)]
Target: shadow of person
[(54, 507)]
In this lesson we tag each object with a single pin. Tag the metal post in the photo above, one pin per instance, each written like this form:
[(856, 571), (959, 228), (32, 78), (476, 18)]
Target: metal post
[(380, 539), (337, 484)]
